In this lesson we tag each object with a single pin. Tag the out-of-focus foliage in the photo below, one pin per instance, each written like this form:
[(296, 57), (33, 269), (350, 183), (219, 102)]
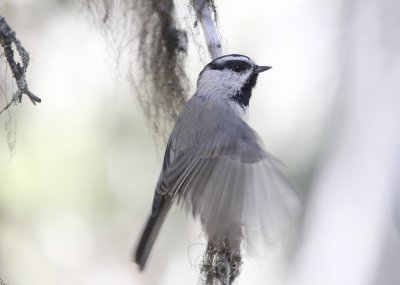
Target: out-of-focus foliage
[(157, 48)]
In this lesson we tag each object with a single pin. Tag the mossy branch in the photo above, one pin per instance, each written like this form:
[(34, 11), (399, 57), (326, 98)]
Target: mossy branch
[(8, 41)]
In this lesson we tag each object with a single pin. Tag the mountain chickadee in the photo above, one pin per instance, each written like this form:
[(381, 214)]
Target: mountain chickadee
[(216, 166)]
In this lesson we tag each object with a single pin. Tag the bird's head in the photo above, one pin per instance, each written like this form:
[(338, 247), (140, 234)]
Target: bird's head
[(232, 76)]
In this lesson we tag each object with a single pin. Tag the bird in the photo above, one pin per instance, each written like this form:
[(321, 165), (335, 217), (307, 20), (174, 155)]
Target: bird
[(215, 165)]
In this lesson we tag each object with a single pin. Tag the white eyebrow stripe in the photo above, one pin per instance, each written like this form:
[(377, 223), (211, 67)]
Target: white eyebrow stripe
[(231, 57)]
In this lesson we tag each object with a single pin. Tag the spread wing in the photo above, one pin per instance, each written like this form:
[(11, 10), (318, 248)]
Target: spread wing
[(217, 168)]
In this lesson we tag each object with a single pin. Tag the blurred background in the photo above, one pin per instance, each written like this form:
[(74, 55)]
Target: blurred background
[(77, 188)]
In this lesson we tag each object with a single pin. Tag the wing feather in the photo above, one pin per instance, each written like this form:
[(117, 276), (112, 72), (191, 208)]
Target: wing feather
[(221, 173)]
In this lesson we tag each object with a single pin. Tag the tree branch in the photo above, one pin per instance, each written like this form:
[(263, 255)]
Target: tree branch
[(211, 35), (7, 39)]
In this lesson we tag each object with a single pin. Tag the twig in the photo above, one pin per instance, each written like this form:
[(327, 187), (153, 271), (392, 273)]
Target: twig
[(211, 34), (221, 264), (7, 39)]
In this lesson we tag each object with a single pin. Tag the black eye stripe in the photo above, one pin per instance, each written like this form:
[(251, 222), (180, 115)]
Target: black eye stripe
[(235, 65)]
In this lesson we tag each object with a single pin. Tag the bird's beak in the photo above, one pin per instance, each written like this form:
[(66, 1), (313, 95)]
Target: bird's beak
[(260, 69)]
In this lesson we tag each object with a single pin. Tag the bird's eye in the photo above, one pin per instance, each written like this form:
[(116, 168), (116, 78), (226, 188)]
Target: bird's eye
[(235, 65), (237, 68)]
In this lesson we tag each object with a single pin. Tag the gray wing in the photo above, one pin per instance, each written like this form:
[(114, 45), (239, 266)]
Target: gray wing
[(215, 165)]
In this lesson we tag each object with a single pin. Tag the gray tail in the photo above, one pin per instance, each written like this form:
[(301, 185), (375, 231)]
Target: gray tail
[(150, 233)]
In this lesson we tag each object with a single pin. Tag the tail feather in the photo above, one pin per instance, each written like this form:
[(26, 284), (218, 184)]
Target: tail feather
[(150, 233)]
